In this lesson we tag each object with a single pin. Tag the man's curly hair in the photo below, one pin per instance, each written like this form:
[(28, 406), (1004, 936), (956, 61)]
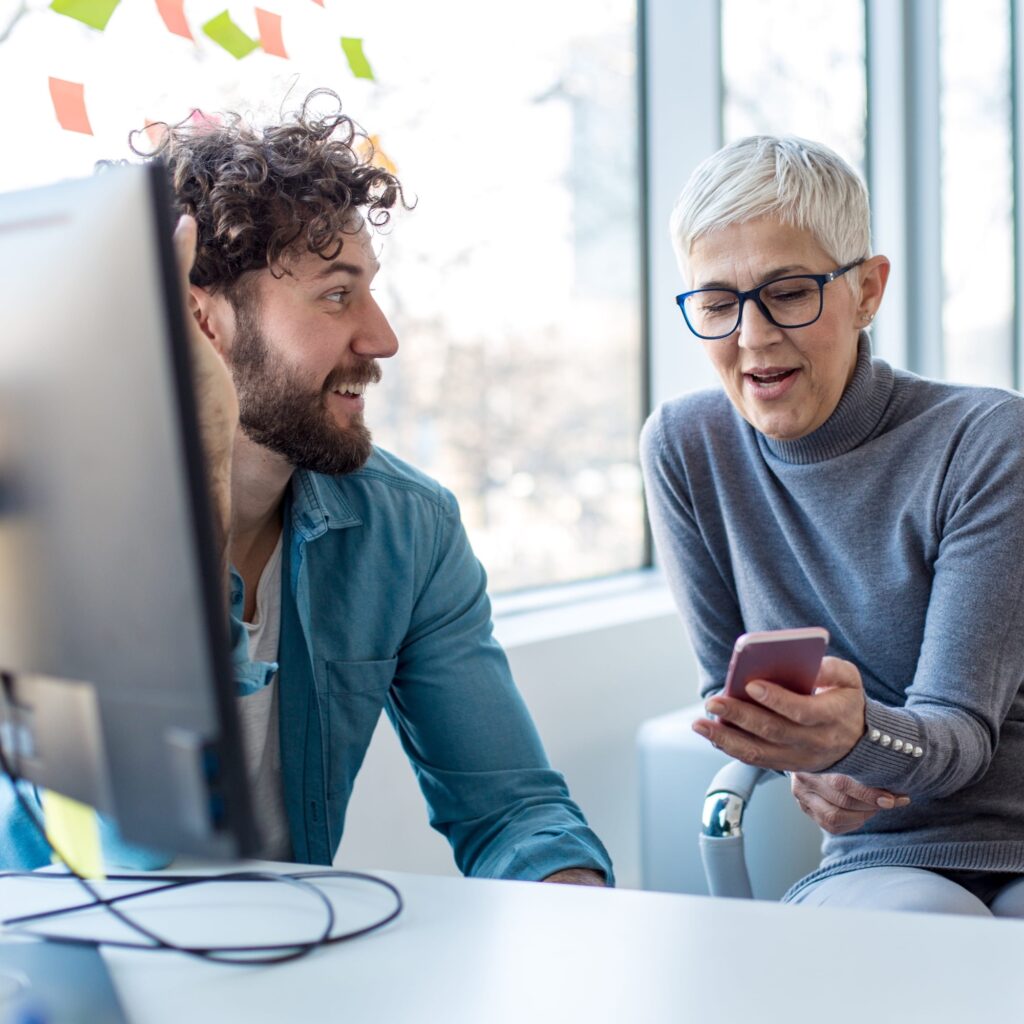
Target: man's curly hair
[(257, 194)]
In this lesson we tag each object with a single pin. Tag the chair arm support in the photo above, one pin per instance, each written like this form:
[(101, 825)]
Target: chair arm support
[(721, 838)]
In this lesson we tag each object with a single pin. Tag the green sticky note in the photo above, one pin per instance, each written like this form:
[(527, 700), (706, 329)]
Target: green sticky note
[(356, 58), (223, 31), (94, 13)]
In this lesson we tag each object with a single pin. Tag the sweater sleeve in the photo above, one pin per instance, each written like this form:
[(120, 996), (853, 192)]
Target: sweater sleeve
[(971, 663), (702, 588)]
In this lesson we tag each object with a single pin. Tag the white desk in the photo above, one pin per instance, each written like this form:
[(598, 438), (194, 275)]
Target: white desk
[(482, 952)]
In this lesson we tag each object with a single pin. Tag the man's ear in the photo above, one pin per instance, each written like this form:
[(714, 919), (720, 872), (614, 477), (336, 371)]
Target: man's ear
[(214, 315)]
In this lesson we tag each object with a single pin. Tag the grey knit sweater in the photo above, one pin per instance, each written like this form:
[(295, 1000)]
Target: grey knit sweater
[(898, 525)]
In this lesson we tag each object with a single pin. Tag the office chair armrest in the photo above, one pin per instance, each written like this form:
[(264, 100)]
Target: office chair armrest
[(721, 838)]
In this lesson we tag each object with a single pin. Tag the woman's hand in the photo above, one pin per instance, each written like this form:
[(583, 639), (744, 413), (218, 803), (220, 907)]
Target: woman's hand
[(787, 731), (839, 804)]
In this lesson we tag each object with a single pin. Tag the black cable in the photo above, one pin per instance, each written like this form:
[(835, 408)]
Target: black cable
[(241, 955)]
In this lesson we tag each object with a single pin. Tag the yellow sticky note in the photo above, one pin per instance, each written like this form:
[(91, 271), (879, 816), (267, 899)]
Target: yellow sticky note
[(73, 829)]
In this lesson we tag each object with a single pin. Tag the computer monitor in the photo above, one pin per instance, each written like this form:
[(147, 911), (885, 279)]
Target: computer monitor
[(114, 651)]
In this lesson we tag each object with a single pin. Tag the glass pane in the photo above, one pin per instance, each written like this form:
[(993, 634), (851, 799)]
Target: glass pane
[(977, 192), (514, 286), (796, 67)]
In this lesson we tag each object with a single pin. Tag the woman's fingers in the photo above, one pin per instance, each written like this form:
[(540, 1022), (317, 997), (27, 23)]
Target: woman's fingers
[(840, 804)]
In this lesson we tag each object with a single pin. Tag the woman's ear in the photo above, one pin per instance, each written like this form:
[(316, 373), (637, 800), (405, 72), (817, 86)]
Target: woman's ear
[(874, 274)]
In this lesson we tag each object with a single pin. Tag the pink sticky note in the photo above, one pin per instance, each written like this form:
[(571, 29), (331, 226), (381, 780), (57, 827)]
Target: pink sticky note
[(156, 131), (69, 105), (173, 13), (269, 25), (320, 2)]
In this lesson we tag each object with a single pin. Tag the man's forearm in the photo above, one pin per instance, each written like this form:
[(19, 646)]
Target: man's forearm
[(578, 876)]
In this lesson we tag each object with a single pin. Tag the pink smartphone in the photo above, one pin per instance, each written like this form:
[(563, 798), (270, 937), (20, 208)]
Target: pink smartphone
[(789, 657)]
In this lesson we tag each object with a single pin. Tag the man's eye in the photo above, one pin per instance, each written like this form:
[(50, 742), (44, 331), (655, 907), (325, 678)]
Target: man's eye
[(336, 296)]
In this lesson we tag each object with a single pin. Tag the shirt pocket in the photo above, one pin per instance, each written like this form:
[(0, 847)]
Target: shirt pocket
[(355, 695)]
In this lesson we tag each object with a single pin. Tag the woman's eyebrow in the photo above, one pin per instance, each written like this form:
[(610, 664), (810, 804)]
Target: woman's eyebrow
[(769, 276)]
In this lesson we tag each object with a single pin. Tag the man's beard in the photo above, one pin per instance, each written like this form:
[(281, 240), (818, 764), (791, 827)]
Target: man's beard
[(277, 410)]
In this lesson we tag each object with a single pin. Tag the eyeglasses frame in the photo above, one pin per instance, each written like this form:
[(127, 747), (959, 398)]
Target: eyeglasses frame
[(754, 294)]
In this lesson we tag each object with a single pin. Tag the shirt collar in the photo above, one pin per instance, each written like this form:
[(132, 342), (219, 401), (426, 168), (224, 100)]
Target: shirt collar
[(318, 505), (855, 419)]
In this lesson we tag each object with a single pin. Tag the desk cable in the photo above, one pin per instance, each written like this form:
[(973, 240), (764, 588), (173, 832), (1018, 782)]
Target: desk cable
[(243, 955)]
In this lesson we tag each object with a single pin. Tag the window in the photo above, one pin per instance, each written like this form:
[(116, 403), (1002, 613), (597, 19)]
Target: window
[(977, 192), (925, 98), (796, 67), (514, 286)]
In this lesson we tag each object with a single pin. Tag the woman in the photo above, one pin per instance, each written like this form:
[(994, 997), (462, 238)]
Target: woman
[(820, 487)]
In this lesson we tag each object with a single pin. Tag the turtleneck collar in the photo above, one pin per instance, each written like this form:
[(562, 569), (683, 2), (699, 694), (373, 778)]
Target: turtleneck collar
[(852, 422)]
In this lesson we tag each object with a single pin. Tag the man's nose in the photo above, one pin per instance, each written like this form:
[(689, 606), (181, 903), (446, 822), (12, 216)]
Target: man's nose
[(374, 337)]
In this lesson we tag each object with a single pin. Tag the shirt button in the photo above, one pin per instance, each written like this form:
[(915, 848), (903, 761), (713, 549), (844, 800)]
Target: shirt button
[(875, 735), (897, 744), (918, 751), (886, 739)]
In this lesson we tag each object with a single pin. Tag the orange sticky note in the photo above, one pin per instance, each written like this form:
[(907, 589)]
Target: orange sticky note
[(69, 105), (173, 13), (371, 149), (269, 25), (320, 2)]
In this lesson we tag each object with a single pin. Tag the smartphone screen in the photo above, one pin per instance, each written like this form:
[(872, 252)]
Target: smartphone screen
[(788, 657)]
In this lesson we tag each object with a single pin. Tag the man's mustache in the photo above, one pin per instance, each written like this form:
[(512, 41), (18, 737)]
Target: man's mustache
[(359, 373)]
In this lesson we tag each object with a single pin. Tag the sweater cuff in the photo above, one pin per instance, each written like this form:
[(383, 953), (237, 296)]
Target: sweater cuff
[(890, 749)]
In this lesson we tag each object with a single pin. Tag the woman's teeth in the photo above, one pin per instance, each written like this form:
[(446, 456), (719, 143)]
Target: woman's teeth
[(772, 378)]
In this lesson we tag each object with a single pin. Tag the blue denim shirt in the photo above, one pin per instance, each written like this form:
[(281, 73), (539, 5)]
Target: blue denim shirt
[(384, 607)]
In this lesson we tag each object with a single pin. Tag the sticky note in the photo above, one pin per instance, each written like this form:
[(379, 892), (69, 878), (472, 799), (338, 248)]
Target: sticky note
[(94, 13), (173, 14), (203, 121), (320, 2), (223, 31), (156, 131), (73, 829), (69, 105), (356, 58), (270, 32), (371, 149)]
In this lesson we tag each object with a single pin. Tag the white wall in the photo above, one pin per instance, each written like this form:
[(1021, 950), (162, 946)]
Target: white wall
[(588, 692)]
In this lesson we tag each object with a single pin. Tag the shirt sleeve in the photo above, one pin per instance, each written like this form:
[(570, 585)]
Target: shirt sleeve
[(702, 588), (464, 726), (971, 663)]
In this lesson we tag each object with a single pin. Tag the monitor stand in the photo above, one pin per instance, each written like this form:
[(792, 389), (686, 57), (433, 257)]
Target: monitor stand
[(56, 982)]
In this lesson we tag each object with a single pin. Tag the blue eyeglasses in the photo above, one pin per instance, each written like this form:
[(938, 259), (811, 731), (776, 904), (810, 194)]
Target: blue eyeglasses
[(797, 301)]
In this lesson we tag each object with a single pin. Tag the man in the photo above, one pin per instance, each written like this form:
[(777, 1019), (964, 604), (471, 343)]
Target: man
[(353, 586)]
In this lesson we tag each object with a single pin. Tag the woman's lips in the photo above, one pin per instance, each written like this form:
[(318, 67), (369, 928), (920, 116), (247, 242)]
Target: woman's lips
[(771, 383)]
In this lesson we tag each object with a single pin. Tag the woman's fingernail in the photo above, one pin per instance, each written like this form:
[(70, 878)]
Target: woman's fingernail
[(886, 801), (702, 728), (903, 801), (714, 707), (755, 690)]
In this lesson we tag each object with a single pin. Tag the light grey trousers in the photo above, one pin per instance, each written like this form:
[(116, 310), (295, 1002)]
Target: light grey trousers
[(982, 893)]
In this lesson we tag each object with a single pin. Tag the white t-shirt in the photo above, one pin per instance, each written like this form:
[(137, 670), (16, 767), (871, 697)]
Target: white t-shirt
[(258, 713)]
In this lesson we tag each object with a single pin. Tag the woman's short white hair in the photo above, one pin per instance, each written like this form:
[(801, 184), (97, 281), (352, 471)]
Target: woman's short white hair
[(798, 182)]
